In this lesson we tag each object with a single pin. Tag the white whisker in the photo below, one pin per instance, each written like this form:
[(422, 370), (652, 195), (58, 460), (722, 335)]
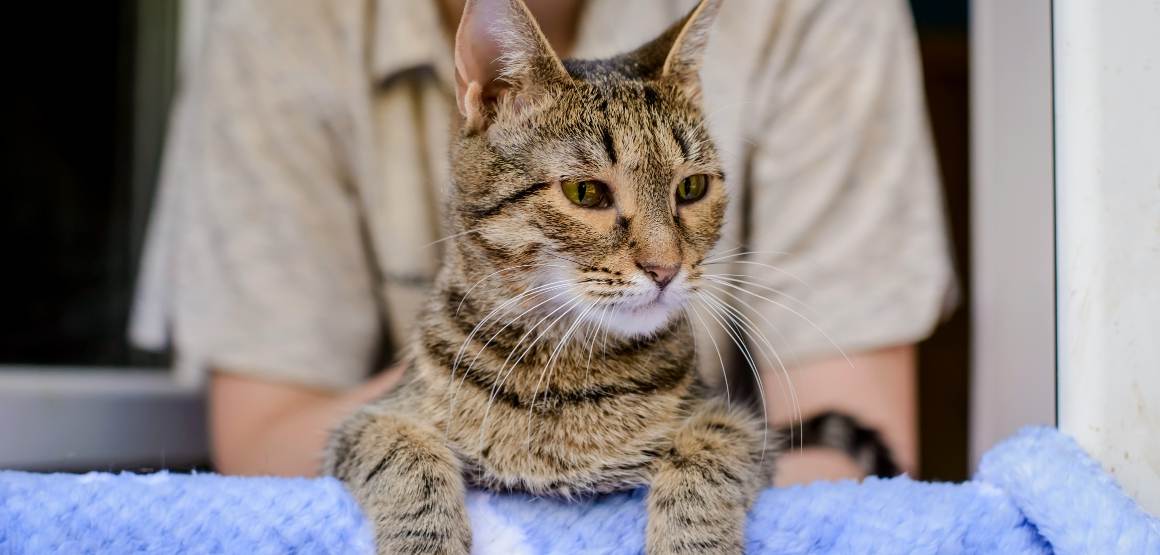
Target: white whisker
[(604, 343), (724, 252), (726, 255), (726, 311), (535, 290), (592, 343), (567, 307), (713, 313), (450, 237), (799, 315), (743, 279), (771, 267), (721, 359), (754, 332), (505, 306), (553, 286), (509, 268), (550, 366)]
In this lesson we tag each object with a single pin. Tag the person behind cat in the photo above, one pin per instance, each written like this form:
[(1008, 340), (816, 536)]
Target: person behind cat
[(297, 227)]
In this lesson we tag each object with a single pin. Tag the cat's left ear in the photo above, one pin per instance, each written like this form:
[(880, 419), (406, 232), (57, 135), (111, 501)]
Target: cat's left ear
[(678, 52), (501, 56)]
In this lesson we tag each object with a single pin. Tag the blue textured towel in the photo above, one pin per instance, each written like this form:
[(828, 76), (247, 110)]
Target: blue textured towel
[(1035, 493)]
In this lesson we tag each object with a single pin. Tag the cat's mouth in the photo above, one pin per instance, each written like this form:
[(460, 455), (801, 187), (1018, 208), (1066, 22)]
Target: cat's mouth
[(659, 299), (646, 315), (637, 308)]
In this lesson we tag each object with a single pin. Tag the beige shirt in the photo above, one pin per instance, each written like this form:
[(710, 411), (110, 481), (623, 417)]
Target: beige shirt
[(295, 231)]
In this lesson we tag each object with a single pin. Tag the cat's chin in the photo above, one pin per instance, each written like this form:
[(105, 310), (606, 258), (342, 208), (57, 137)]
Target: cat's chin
[(636, 321)]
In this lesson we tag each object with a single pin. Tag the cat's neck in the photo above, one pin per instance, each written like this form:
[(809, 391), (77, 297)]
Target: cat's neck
[(529, 348)]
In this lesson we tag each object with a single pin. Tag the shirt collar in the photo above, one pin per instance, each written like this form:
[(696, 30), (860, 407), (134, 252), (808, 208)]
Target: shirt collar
[(410, 33)]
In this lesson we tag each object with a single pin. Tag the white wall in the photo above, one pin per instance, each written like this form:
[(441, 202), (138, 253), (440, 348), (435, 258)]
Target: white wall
[(1107, 98)]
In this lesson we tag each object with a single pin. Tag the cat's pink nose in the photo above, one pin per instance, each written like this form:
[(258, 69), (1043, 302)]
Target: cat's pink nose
[(662, 274)]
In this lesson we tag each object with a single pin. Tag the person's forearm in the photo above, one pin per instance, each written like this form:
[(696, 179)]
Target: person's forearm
[(286, 445), (880, 391), (262, 428), (259, 428)]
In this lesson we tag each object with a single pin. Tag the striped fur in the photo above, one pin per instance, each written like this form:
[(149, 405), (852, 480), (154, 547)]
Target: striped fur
[(547, 360)]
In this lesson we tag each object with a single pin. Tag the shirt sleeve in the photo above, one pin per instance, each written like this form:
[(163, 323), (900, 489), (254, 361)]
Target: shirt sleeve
[(255, 261), (846, 216)]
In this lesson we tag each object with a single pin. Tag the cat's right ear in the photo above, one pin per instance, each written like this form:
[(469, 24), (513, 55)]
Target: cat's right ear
[(677, 54), (501, 56)]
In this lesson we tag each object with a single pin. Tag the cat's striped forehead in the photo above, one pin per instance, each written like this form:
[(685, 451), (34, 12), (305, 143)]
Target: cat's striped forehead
[(647, 130)]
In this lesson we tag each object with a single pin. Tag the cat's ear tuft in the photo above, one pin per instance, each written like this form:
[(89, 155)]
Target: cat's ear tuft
[(678, 52), (501, 56)]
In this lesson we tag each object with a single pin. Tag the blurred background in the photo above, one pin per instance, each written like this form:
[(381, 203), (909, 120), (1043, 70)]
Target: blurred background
[(84, 138)]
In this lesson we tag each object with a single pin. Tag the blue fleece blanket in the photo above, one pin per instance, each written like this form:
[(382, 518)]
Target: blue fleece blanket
[(1035, 493)]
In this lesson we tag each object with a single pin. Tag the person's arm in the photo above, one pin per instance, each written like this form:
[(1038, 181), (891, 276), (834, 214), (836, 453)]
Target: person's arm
[(273, 292), (264, 427), (846, 223), (880, 391)]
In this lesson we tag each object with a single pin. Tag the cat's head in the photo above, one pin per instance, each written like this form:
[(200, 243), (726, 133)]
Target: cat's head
[(596, 181)]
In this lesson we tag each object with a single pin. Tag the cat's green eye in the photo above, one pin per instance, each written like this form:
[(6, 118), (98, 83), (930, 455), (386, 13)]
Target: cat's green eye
[(588, 194), (692, 188)]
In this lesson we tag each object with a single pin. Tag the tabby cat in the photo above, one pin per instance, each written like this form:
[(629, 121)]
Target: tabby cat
[(586, 195)]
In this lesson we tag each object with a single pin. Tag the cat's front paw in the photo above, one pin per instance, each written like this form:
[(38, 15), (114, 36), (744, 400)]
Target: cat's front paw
[(692, 521), (424, 531), (704, 538), (407, 481)]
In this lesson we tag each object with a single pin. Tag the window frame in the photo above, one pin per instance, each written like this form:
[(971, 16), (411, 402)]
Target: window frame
[(1013, 366), (1107, 121), (94, 418), (118, 417), (1066, 117)]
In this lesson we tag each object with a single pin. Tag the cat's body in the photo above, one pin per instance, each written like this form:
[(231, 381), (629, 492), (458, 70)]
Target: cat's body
[(554, 356)]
